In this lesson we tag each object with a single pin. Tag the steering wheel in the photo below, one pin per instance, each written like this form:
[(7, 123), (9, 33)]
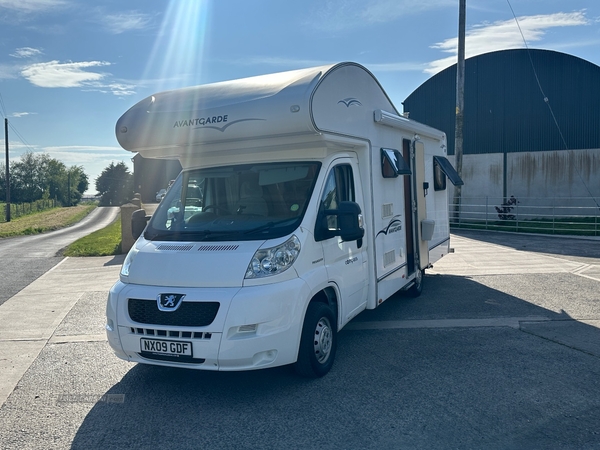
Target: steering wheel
[(215, 208)]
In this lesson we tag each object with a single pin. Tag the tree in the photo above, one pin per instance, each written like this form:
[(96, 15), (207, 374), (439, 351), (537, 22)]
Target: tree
[(115, 185), (37, 175), (28, 177), (79, 183), (57, 181)]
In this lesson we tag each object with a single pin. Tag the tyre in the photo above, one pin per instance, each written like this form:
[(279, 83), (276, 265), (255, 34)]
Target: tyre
[(318, 342), (416, 289)]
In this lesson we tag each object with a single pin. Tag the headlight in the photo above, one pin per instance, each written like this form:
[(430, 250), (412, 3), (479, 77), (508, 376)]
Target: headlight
[(274, 260), (127, 263)]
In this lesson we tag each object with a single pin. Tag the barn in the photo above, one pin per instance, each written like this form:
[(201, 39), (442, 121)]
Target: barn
[(531, 129)]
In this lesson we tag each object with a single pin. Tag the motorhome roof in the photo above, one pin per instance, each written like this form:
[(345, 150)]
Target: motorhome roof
[(333, 98)]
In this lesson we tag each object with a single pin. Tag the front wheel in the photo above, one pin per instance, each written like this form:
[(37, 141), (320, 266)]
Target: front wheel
[(318, 342)]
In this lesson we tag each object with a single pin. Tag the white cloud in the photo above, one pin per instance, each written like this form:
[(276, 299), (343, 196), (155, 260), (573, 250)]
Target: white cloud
[(26, 52), (93, 158), (118, 89), (85, 148), (31, 6), (120, 23), (504, 35), (290, 64), (21, 114), (16, 148), (54, 74)]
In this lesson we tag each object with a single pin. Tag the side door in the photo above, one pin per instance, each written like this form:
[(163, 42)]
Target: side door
[(346, 262)]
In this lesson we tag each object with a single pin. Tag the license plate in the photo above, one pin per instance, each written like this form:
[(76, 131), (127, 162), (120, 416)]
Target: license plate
[(160, 347)]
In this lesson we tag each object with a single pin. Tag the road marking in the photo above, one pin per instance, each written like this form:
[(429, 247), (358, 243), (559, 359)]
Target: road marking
[(595, 272)]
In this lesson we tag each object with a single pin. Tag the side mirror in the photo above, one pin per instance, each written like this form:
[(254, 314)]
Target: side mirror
[(139, 219), (350, 221)]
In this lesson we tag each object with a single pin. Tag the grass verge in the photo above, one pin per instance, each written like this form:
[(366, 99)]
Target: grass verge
[(104, 242), (52, 219)]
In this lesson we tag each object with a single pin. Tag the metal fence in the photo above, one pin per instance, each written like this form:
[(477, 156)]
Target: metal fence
[(22, 209), (554, 215)]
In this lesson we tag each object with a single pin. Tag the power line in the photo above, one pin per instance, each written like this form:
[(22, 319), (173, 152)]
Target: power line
[(21, 138), (537, 79), (547, 101)]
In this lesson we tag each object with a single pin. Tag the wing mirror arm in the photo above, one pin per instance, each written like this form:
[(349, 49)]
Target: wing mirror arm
[(139, 220)]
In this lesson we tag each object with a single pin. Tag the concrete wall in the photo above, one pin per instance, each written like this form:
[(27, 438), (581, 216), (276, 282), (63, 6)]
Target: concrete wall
[(552, 183)]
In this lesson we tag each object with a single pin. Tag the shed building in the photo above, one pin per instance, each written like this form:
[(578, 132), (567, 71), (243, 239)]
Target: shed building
[(531, 126)]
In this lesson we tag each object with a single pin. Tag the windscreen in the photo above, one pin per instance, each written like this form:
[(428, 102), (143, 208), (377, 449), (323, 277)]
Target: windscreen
[(243, 202)]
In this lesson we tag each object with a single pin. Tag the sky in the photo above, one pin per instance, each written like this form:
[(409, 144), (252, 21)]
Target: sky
[(70, 68)]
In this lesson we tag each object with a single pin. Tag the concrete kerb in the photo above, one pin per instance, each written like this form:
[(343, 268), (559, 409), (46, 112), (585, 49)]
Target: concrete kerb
[(29, 319)]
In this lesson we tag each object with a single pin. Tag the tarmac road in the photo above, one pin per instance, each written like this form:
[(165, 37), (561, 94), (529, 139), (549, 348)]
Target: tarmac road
[(25, 258), (501, 351)]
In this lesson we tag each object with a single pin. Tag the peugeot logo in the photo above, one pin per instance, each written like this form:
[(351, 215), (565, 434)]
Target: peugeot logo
[(169, 302)]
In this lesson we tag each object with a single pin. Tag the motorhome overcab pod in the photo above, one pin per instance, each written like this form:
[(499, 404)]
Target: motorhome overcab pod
[(304, 199)]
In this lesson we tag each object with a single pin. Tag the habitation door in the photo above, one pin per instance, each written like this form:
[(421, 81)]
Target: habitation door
[(415, 208), (346, 262), (408, 209)]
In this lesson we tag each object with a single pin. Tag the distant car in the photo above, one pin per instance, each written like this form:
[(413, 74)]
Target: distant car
[(160, 195)]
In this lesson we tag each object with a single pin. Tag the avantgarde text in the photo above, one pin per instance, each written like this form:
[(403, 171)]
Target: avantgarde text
[(201, 121)]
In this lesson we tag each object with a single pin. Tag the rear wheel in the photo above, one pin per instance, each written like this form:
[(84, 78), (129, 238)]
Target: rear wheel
[(416, 289), (318, 342)]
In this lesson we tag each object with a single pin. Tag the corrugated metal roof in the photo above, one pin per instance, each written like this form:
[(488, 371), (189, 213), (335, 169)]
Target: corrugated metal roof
[(505, 110)]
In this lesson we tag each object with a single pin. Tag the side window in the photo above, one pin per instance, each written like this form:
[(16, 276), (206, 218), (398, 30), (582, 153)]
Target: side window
[(442, 169), (439, 177), (393, 164), (339, 187)]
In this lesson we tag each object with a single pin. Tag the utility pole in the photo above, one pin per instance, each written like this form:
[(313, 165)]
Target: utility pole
[(7, 171), (69, 187), (460, 103)]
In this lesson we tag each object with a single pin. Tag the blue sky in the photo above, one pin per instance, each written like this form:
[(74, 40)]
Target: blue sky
[(70, 68)]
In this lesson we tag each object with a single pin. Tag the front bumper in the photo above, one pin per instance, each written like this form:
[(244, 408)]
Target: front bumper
[(254, 327)]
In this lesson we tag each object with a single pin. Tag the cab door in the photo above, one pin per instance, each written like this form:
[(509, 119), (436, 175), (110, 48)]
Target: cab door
[(346, 262)]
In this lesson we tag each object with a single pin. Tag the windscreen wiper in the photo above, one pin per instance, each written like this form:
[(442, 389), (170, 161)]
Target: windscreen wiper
[(269, 225), (187, 234)]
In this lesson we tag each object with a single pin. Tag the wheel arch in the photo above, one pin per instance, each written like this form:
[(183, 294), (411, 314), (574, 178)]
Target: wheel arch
[(328, 296)]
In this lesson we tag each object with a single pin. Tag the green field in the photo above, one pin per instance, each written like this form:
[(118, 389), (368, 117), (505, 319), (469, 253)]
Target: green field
[(41, 222)]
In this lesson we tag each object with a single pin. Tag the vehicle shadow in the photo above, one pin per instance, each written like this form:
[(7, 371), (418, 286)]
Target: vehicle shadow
[(116, 260), (401, 387), (587, 248)]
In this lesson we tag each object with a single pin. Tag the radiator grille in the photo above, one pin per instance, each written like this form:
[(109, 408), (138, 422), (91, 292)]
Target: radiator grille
[(189, 314), (171, 333)]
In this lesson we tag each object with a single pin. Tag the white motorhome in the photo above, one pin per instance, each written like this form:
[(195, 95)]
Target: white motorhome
[(304, 199)]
